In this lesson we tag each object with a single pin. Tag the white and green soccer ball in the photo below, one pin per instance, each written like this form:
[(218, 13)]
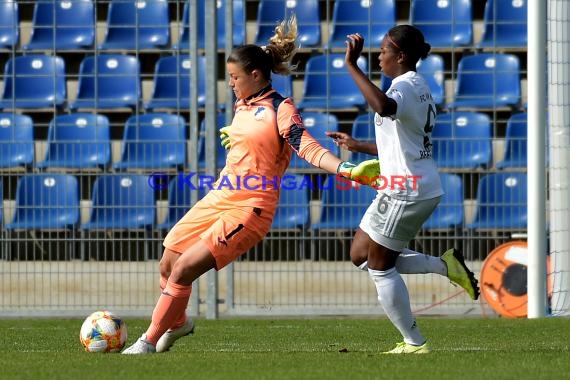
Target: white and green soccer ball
[(103, 331)]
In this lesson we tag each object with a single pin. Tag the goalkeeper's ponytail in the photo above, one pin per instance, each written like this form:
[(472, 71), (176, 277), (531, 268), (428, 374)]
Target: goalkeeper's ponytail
[(274, 57)]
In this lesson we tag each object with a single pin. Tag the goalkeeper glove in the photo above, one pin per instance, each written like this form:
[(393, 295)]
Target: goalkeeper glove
[(225, 137), (367, 172)]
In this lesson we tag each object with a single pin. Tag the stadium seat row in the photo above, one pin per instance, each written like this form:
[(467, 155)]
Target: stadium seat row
[(152, 141), (113, 81), (107, 81), (82, 141), (445, 24), (145, 25), (501, 204), (131, 25), (128, 201)]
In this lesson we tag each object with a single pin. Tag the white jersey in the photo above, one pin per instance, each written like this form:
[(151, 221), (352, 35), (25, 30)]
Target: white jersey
[(404, 141)]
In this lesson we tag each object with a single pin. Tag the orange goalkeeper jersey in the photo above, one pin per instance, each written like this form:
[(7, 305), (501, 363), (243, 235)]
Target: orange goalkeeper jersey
[(264, 132)]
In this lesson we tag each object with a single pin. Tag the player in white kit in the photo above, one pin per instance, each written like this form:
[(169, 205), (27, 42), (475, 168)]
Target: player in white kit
[(411, 190)]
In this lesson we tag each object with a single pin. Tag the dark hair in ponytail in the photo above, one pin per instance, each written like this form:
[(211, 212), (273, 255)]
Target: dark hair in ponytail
[(410, 40)]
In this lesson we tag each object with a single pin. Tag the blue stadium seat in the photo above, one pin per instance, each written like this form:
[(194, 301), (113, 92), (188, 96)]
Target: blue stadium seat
[(221, 151), (9, 24), (462, 140), (372, 19), (293, 210), (515, 142), (283, 84), (62, 25), (34, 81), (179, 201), (153, 140), (343, 204), (501, 202), (122, 201), (449, 213), (363, 130), (445, 24), (171, 84), (108, 81), (46, 201), (363, 127), (80, 140), (238, 31), (385, 82), (487, 81), (328, 85), (432, 69), (139, 25), (16, 140), (317, 123), (505, 25), (271, 12)]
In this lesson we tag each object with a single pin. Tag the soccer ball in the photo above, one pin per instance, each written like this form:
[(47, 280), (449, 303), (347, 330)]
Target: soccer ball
[(103, 331)]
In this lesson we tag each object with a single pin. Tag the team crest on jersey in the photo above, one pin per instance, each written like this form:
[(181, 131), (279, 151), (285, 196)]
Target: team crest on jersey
[(378, 120), (259, 113), (296, 119)]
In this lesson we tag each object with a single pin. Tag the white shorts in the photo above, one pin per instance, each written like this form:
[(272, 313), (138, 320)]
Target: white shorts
[(393, 223)]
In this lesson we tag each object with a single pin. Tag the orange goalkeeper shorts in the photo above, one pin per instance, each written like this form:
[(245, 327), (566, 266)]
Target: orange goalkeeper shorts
[(228, 230)]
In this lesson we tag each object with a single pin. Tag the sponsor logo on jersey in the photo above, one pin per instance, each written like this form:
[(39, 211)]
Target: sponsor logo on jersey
[(259, 113), (378, 120)]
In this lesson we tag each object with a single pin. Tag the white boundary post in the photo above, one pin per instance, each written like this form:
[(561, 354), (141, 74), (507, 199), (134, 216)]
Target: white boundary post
[(536, 193)]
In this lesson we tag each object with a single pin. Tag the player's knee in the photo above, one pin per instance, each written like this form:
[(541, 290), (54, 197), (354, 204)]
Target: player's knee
[(382, 262), (359, 248), (167, 262), (165, 268), (358, 257)]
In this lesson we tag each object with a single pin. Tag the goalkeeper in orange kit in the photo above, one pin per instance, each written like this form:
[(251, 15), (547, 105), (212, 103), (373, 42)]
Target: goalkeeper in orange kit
[(266, 130)]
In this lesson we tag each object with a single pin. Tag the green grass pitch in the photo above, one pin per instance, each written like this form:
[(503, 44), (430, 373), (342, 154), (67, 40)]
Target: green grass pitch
[(312, 348)]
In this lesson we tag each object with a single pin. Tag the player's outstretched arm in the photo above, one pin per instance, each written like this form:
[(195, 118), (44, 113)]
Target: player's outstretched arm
[(345, 141), (366, 172)]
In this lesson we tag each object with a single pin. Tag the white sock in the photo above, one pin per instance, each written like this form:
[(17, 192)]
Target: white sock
[(394, 298), (411, 262), (363, 266)]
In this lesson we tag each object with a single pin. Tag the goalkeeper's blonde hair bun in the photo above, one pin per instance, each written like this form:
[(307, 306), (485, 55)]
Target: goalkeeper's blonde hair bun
[(275, 56)]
